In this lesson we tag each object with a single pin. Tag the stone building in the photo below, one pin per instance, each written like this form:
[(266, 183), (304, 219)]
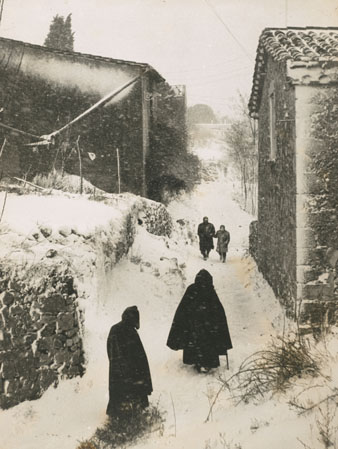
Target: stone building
[(43, 89), (293, 249)]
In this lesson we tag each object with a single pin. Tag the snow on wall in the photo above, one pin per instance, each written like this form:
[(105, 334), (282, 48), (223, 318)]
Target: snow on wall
[(55, 252), (40, 331)]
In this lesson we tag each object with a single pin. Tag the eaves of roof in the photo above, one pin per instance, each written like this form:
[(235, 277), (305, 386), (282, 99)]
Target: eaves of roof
[(78, 55), (305, 47)]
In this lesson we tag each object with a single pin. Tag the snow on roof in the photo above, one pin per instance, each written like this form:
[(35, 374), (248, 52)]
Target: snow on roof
[(306, 47)]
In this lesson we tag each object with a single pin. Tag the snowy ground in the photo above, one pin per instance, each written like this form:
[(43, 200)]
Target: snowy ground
[(153, 277)]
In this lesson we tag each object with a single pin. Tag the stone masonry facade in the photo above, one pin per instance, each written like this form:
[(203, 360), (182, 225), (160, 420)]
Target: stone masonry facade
[(317, 218), (273, 237), (294, 241), (42, 90), (40, 331)]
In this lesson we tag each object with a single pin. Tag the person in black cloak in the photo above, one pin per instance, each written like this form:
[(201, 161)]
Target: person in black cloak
[(129, 375), (200, 326), (206, 233)]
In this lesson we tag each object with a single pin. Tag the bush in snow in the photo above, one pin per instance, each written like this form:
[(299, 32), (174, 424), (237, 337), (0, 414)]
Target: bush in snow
[(118, 432), (156, 218), (271, 370), (58, 180)]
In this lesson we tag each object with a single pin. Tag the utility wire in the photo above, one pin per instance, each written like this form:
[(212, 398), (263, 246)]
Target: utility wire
[(2, 2), (214, 75), (198, 69), (228, 29), (204, 81), (220, 81)]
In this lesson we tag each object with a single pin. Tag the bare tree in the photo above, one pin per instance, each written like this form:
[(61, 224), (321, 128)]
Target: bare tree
[(241, 139)]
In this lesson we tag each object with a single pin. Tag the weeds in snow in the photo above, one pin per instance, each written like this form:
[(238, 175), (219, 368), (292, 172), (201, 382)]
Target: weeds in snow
[(55, 179), (270, 370), (119, 432), (307, 406), (327, 425), (257, 424), (221, 443)]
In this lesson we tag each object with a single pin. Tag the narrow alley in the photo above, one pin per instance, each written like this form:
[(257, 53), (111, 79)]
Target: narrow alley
[(154, 277)]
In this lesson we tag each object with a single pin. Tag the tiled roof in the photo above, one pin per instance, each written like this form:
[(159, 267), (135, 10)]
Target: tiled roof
[(307, 47), (79, 55)]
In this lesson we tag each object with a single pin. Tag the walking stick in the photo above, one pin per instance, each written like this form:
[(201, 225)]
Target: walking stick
[(227, 360)]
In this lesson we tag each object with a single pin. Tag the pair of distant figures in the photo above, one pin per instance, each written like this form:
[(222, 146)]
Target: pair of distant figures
[(206, 233)]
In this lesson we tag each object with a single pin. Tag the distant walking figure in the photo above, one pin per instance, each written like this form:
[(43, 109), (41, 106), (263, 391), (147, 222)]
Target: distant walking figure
[(129, 376), (206, 232), (223, 239), (200, 326)]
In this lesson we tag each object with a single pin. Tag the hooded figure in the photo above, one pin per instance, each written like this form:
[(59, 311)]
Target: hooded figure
[(200, 326), (129, 375)]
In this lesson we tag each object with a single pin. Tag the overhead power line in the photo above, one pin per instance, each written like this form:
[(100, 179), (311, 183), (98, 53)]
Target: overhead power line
[(198, 69), (211, 74), (221, 77), (2, 2), (228, 29)]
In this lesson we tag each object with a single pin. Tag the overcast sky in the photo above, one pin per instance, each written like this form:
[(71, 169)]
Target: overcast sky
[(185, 40)]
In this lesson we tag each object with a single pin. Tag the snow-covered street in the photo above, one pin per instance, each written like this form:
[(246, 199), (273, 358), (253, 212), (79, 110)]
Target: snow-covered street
[(168, 179), (154, 277)]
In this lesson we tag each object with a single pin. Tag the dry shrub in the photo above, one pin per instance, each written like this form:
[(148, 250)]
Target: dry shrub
[(55, 179), (119, 432), (272, 369), (326, 423)]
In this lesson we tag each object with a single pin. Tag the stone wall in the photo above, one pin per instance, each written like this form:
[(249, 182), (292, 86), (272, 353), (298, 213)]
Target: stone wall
[(40, 335), (274, 236), (317, 199), (295, 239), (41, 322)]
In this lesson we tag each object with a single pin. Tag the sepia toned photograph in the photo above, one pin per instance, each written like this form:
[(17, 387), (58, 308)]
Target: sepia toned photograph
[(168, 224)]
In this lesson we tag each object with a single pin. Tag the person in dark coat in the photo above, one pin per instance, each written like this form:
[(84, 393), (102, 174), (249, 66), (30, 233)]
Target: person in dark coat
[(200, 326), (223, 239), (129, 375), (206, 233)]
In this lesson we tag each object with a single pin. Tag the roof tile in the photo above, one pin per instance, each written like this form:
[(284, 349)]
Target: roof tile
[(309, 46)]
